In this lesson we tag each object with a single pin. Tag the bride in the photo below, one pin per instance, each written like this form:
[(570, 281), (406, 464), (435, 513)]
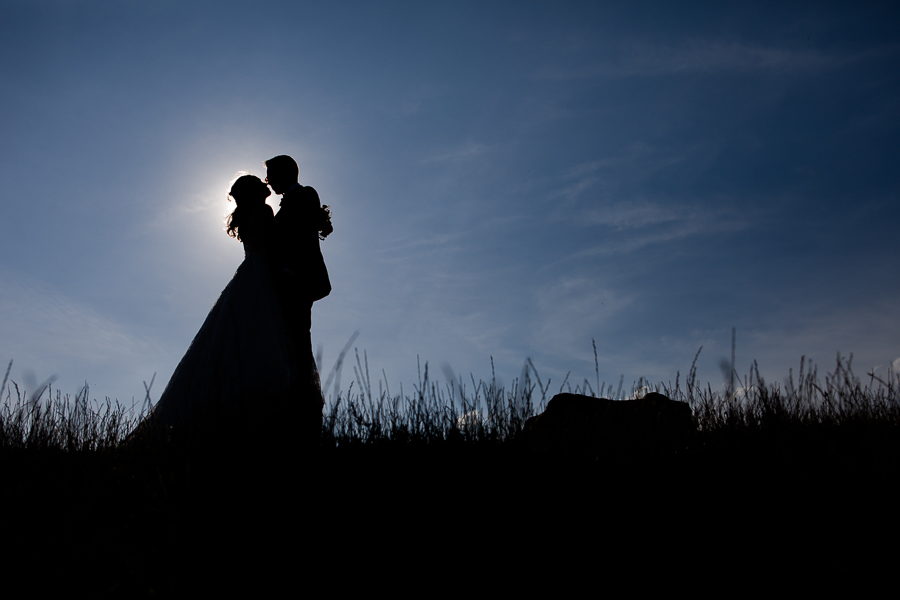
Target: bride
[(242, 361)]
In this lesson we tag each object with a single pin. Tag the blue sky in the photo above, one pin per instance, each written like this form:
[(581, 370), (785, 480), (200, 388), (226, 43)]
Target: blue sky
[(508, 180)]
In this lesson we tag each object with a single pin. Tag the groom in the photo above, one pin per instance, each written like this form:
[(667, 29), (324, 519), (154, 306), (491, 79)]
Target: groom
[(300, 278)]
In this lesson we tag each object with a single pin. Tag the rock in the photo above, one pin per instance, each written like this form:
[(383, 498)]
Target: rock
[(578, 423)]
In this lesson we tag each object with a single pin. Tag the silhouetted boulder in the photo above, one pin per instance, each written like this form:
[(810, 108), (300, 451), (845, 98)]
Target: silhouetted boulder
[(583, 424)]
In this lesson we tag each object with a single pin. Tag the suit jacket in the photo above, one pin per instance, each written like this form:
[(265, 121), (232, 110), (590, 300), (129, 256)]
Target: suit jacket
[(298, 255)]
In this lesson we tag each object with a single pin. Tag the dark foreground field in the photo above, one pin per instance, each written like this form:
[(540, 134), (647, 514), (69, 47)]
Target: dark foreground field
[(442, 490)]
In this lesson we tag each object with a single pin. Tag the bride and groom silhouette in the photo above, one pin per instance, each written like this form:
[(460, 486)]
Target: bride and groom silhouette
[(250, 369)]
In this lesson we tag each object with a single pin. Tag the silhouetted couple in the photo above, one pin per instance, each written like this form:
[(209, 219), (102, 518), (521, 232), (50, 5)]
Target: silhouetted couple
[(249, 375)]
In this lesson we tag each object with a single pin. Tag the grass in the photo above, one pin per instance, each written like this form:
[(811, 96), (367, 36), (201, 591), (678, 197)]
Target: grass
[(395, 466), (480, 413), (485, 412)]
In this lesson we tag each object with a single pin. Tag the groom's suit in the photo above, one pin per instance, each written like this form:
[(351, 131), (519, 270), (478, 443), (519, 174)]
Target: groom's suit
[(301, 278), (298, 244)]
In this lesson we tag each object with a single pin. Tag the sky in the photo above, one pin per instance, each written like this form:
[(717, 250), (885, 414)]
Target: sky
[(508, 180)]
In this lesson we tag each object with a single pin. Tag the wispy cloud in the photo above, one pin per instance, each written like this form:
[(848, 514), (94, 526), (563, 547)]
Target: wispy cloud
[(635, 215), (631, 244), (411, 248), (571, 306), (49, 333), (611, 175), (608, 192), (467, 151), (642, 58)]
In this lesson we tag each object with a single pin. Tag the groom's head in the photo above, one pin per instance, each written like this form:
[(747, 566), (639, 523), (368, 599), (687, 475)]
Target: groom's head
[(281, 173)]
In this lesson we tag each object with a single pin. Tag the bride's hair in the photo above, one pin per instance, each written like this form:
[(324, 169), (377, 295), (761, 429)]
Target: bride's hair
[(247, 193)]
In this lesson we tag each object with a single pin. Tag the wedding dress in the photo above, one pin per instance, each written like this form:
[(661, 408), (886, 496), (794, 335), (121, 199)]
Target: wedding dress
[(242, 362)]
